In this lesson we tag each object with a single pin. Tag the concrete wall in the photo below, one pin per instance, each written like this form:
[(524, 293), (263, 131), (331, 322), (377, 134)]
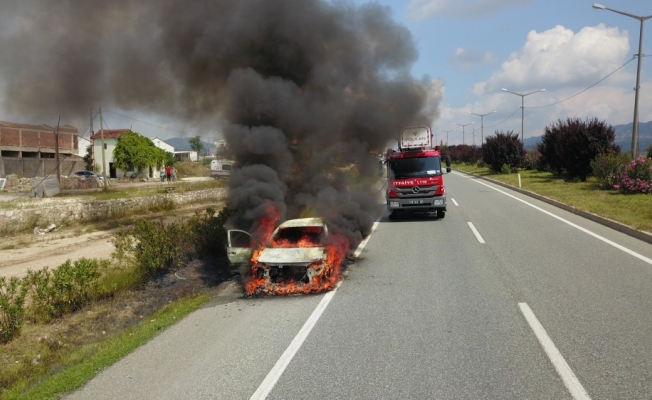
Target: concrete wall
[(65, 211), (33, 167)]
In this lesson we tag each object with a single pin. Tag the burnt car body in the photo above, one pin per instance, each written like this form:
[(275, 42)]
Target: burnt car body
[(294, 252)]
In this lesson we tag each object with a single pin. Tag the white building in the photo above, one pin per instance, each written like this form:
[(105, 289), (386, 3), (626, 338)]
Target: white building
[(163, 145), (111, 137), (83, 145), (188, 155)]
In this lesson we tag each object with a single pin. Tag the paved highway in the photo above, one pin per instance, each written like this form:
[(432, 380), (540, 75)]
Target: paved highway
[(505, 298)]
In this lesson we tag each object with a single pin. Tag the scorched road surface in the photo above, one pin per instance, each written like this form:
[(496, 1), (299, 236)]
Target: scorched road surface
[(505, 298)]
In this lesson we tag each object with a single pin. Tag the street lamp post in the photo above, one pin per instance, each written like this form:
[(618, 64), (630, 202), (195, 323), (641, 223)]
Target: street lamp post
[(447, 134), (482, 125), (463, 129), (638, 72), (522, 106)]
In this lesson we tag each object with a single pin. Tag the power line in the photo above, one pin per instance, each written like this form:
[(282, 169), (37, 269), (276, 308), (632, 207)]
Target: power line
[(578, 93), (568, 98), (143, 122), (510, 116)]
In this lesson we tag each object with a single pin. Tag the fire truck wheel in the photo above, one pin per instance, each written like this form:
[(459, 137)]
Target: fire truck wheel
[(393, 216), (441, 214)]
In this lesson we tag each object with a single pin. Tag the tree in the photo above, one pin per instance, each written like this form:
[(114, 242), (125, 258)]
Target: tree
[(549, 148), (463, 153), (88, 158), (169, 159), (196, 144), (504, 148), (136, 151), (571, 145)]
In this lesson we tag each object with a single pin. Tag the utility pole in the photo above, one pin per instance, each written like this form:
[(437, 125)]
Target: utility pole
[(105, 178), (463, 126), (91, 146), (523, 108), (56, 151), (641, 19), (481, 125), (447, 134)]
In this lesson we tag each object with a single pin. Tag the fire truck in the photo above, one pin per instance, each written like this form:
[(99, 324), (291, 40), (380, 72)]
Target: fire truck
[(415, 181)]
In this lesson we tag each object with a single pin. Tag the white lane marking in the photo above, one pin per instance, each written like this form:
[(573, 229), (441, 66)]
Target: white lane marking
[(588, 232), (475, 232), (273, 376), (364, 242), (563, 369), (454, 202)]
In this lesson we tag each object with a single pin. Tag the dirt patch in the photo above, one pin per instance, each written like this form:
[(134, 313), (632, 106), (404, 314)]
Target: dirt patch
[(29, 251)]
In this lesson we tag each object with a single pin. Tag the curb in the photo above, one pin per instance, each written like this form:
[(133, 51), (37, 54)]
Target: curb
[(641, 235)]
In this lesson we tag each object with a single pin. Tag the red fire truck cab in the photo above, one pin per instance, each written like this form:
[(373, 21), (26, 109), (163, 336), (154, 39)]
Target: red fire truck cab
[(415, 181)]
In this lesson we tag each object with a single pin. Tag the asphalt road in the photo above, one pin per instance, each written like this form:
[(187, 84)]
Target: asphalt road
[(550, 306)]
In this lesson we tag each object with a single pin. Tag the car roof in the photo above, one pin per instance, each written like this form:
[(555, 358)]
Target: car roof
[(299, 222)]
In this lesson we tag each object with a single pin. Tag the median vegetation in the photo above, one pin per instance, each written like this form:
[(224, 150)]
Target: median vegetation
[(49, 318), (576, 163)]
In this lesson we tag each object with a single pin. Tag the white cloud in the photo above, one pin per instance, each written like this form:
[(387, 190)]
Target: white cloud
[(560, 58), (467, 58), (564, 63), (461, 9)]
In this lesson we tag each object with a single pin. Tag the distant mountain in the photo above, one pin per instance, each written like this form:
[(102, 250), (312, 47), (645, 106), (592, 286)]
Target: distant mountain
[(182, 144), (623, 137)]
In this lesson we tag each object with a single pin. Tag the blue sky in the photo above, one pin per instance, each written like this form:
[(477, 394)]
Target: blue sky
[(477, 47)]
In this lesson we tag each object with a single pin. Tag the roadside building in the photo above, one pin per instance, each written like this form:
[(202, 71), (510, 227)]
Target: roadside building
[(161, 144), (83, 145), (187, 155), (29, 150), (111, 137)]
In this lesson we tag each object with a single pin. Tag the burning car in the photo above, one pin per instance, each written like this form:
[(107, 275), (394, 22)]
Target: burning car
[(298, 257)]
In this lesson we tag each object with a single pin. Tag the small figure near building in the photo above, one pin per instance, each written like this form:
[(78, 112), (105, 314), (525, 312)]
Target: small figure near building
[(162, 174), (168, 172), (174, 174)]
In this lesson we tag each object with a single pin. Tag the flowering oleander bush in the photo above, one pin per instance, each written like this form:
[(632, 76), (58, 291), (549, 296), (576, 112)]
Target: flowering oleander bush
[(636, 177)]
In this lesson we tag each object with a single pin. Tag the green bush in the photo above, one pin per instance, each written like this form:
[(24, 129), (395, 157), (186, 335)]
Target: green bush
[(608, 168), (209, 232), (12, 311), (505, 169), (531, 160), (154, 246), (64, 289)]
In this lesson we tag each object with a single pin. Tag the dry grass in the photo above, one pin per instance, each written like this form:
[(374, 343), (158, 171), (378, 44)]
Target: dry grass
[(104, 329), (634, 210), (186, 169)]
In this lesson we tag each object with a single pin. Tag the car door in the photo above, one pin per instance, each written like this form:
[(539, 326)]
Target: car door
[(240, 247)]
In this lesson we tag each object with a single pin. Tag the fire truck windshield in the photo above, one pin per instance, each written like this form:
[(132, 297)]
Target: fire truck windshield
[(415, 167)]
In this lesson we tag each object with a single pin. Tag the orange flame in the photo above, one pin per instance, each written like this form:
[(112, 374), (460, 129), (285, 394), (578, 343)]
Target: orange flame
[(336, 249)]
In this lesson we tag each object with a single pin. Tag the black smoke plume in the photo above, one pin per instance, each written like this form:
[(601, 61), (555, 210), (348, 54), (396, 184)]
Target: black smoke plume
[(306, 90)]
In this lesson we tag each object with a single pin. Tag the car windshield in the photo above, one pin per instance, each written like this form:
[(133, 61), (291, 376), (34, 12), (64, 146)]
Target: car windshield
[(415, 167), (298, 236)]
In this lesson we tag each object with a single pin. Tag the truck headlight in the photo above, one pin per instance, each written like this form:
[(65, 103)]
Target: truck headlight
[(439, 202), (393, 204)]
